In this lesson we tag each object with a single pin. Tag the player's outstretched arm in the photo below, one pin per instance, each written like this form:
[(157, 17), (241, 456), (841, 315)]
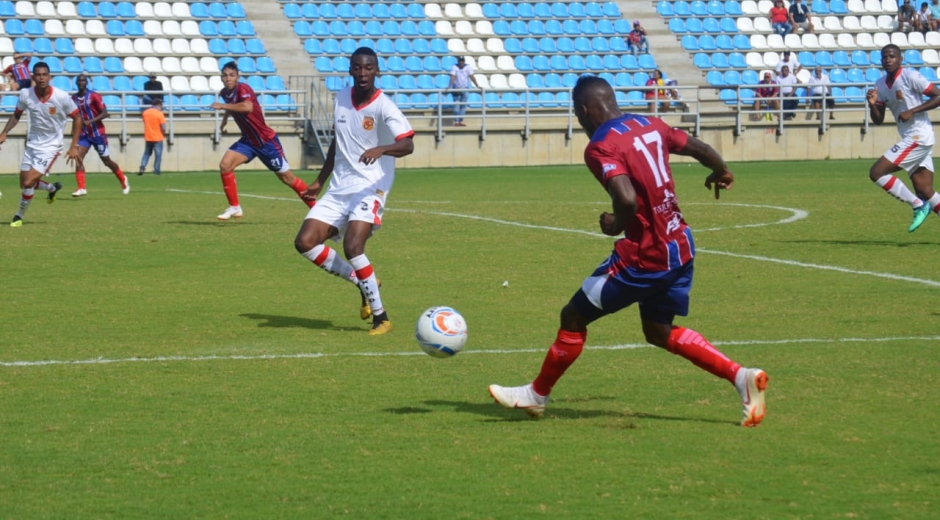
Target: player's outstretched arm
[(14, 119), (721, 177), (315, 187)]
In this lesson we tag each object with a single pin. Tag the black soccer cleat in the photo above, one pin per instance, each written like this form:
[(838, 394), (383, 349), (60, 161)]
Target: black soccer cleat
[(52, 194)]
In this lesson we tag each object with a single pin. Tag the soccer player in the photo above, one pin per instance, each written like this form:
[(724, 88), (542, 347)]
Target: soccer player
[(49, 109), (258, 140), (369, 133), (93, 112), (652, 264), (902, 90)]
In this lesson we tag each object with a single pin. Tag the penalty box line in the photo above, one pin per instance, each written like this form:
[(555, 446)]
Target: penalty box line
[(320, 355)]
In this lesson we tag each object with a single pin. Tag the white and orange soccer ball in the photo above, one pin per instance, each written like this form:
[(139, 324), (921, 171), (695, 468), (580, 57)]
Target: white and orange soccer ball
[(441, 332)]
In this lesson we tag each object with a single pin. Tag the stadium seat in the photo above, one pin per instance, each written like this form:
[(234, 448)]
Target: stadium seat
[(715, 78)]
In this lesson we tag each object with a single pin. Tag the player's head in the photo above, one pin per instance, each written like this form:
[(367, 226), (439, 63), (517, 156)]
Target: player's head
[(786, 55), (41, 74), (891, 58), (594, 103), (229, 75), (767, 77), (818, 71), (81, 81), (461, 62), (364, 67), (785, 70), (156, 102)]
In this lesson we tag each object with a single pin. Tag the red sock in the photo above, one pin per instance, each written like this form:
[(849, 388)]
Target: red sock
[(80, 179), (230, 188), (300, 187), (565, 350), (120, 175), (692, 346)]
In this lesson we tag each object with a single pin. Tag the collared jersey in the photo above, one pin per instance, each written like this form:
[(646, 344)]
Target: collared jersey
[(903, 92), (639, 146), (47, 117), (90, 106), (378, 122), (252, 124)]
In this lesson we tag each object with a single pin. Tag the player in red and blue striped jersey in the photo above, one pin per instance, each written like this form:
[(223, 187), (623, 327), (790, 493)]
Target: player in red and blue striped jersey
[(652, 264), (19, 71), (93, 112), (258, 140)]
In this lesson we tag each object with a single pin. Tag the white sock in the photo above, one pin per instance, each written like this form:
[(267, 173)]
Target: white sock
[(329, 261), (368, 284), (25, 199), (934, 203), (898, 190), (45, 186), (740, 382)]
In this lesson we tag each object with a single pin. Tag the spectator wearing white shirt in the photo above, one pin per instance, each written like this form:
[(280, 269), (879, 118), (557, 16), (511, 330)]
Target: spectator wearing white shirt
[(461, 75), (818, 87), (788, 83), (789, 60)]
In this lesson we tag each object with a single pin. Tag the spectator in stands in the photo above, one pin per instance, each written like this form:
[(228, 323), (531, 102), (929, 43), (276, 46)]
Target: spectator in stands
[(922, 18), (789, 60), (461, 75), (906, 16), (780, 18), (934, 8), (766, 95), (800, 17), (636, 40), (674, 94), (818, 87), (657, 94), (788, 83), (152, 85), (154, 134), (19, 72)]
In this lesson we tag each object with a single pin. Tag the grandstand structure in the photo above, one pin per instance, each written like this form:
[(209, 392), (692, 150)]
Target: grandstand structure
[(527, 56)]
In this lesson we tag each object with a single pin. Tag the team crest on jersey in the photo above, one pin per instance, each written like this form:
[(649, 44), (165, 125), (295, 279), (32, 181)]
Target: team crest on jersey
[(52, 111), (899, 95), (368, 123)]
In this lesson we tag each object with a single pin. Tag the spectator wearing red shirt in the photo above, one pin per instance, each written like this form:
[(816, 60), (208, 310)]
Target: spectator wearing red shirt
[(19, 71), (636, 40), (766, 95), (780, 19)]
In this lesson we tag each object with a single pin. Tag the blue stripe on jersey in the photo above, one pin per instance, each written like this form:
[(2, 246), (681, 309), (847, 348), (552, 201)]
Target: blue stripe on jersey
[(84, 108), (688, 236), (620, 125), (672, 256)]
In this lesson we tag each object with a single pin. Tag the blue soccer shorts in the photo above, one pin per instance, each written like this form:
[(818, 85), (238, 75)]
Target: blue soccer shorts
[(100, 144), (271, 154)]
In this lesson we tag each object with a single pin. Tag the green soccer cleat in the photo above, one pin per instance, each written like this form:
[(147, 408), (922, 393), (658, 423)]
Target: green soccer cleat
[(17, 221), (52, 194), (920, 215)]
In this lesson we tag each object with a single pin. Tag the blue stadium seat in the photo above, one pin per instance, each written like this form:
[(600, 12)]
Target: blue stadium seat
[(647, 62), (137, 82), (225, 59), (606, 27), (576, 10), (126, 10), (122, 83), (100, 84), (807, 59), (838, 7), (541, 63), (302, 28), (612, 62), (380, 11), (690, 43), (512, 100), (409, 28), (547, 45), (403, 46), (629, 62), (518, 27), (7, 10), (706, 42), (432, 64), (546, 100), (841, 59), (588, 27), (681, 8), (729, 96), (665, 9), (872, 74), (442, 81), (115, 28), (245, 28), (235, 10), (623, 79), (86, 10), (507, 10), (255, 82), (552, 80), (709, 25), (22, 45), (331, 46), (715, 78), (824, 59), (42, 47), (736, 60), (838, 76), (723, 42), (426, 28), (569, 79), (217, 10), (338, 28), (265, 65), (554, 28), (391, 28), (407, 82), (559, 9), (420, 46), (55, 66), (501, 28), (285, 102), (189, 102), (699, 8), (927, 72), (741, 42), (594, 62), (543, 10), (610, 9), (749, 77), (368, 43), (33, 27), (208, 28), (72, 65), (524, 63), (727, 25), (93, 65), (388, 82), (576, 62), (355, 28), (716, 8), (911, 57), (439, 46), (395, 64), (313, 46), (530, 45), (414, 64), (398, 11), (860, 59), (334, 83), (733, 8), (855, 75), (218, 46), (64, 46), (246, 64), (558, 62), (59, 82), (854, 95), (677, 25), (582, 44), (564, 44), (134, 28), (535, 80), (536, 28), (113, 65), (374, 28), (293, 11), (415, 10), (819, 7), (599, 44), (323, 64), (732, 78), (702, 60), (236, 46), (196, 10), (226, 28), (618, 44), (525, 10), (347, 11), (14, 27), (571, 27)]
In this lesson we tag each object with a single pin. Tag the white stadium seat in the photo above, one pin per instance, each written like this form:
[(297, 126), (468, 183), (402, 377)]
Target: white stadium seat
[(828, 42), (495, 45), (45, 9), (931, 57), (180, 46), (890, 6), (215, 82), (198, 83), (899, 39), (517, 80), (803, 75), (483, 80), (745, 24), (887, 23), (143, 9), (74, 28), (754, 60), (484, 27), (771, 58), (66, 9), (869, 23), (832, 23), (25, 9), (162, 46), (171, 28), (433, 11), (95, 28), (933, 39), (162, 10), (453, 11), (181, 10), (473, 11), (499, 81), (846, 41), (763, 7), (851, 23), (487, 63), (179, 83), (775, 42), (153, 28), (132, 65), (443, 28), (916, 40), (505, 62), (6, 48), (865, 41), (856, 6), (143, 46), (152, 65), (209, 64), (84, 46), (463, 27), (7, 60), (793, 42), (881, 39), (762, 25), (124, 46), (472, 61), (190, 28), (104, 46), (759, 42), (53, 28), (810, 42), (874, 7), (749, 8), (190, 65), (475, 46), (456, 45), (199, 46)]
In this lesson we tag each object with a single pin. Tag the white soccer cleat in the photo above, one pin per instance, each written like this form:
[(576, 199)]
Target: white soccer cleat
[(79, 193), (126, 187), (232, 211), (752, 396), (523, 397)]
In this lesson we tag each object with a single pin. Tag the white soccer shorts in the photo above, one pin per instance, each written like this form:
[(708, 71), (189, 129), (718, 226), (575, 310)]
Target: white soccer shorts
[(339, 210), (911, 155), (40, 160)]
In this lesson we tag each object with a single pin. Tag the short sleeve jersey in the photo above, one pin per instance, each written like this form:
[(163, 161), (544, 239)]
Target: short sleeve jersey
[(638, 147), (254, 129), (20, 70), (377, 122), (460, 77), (90, 105), (47, 117), (903, 92)]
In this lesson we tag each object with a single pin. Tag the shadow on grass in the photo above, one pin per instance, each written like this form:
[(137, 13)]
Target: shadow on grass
[(495, 412), (860, 243), (287, 322)]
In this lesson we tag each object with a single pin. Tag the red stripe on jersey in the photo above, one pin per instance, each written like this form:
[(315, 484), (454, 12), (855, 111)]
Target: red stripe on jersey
[(405, 135), (904, 154), (368, 102)]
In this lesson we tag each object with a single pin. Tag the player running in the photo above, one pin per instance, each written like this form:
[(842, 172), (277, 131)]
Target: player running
[(369, 133), (93, 111), (652, 264), (48, 108), (903, 90), (258, 140)]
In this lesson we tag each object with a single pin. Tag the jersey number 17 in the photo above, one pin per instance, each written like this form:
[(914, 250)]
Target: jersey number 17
[(658, 165)]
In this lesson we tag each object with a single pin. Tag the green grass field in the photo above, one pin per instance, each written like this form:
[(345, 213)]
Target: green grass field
[(156, 363)]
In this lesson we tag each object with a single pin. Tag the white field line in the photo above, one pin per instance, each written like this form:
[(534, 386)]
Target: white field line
[(796, 214), (319, 355)]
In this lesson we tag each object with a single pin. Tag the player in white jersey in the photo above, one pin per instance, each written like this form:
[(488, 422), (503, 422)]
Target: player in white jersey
[(903, 91), (49, 110), (369, 133)]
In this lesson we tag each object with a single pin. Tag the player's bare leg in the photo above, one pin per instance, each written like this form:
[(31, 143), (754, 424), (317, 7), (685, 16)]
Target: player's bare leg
[(922, 179), (230, 161), (80, 190), (354, 245), (296, 184), (311, 244), (882, 174)]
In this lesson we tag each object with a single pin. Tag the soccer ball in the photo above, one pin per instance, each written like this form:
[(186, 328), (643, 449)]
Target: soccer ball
[(441, 332)]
